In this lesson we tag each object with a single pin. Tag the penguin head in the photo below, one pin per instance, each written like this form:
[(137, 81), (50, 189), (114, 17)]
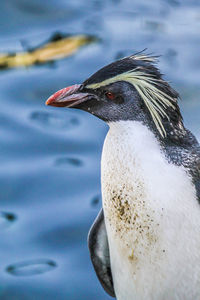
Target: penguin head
[(131, 88)]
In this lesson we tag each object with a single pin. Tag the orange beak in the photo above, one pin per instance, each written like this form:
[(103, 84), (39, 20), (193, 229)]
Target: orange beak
[(68, 97)]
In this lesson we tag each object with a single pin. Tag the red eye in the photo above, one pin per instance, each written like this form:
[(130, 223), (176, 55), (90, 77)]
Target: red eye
[(110, 95)]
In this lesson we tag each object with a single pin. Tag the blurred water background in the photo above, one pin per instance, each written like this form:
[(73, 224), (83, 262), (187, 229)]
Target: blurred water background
[(50, 157)]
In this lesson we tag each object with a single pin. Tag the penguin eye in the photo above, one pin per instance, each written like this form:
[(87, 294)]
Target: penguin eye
[(110, 95)]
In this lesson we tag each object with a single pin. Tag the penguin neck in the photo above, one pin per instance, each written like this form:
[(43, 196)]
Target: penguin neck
[(145, 140), (136, 137)]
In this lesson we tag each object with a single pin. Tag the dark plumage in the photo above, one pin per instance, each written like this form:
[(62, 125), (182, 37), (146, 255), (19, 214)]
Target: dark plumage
[(99, 253)]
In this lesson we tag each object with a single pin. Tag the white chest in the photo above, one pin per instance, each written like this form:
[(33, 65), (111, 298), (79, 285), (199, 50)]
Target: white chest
[(152, 218)]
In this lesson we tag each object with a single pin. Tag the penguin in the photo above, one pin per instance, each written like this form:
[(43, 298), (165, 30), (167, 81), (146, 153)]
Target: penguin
[(145, 242)]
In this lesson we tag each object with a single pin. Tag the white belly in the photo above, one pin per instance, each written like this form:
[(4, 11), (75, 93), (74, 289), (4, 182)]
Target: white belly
[(152, 218)]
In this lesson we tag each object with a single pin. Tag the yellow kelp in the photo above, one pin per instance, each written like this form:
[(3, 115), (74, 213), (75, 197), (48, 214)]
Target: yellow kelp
[(58, 47)]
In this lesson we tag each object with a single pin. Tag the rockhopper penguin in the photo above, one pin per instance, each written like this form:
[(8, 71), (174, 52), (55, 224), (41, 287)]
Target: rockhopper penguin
[(145, 242)]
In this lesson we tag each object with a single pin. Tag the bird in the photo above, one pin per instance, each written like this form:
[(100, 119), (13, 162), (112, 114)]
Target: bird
[(145, 241)]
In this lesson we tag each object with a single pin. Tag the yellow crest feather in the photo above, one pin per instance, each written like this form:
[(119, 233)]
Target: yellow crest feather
[(147, 86)]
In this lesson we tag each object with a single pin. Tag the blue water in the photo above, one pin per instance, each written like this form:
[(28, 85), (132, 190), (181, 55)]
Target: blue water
[(50, 157)]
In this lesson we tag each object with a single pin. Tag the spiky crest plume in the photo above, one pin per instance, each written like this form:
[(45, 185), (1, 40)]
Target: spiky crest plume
[(156, 93)]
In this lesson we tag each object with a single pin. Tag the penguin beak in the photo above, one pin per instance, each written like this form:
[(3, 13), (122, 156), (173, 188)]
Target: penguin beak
[(69, 97)]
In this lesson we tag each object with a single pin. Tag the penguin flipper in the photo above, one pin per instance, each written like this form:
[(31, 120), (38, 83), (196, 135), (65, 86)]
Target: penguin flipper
[(99, 253)]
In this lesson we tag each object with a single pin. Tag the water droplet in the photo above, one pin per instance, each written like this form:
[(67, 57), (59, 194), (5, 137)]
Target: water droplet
[(6, 219), (54, 120), (68, 161), (32, 267)]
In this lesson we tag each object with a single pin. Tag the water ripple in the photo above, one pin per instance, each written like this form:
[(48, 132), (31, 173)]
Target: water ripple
[(6, 219), (95, 200), (54, 121), (31, 267), (68, 161)]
